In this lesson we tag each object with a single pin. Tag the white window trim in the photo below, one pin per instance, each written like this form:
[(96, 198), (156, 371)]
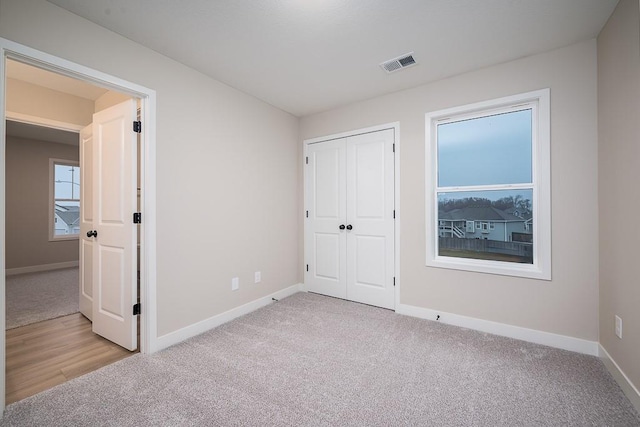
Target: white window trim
[(541, 177), (52, 235)]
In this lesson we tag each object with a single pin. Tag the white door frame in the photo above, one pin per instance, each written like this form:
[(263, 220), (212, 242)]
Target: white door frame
[(148, 321), (396, 202)]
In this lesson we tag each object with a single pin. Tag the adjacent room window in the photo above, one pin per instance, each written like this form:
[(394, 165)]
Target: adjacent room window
[(64, 199), (489, 165)]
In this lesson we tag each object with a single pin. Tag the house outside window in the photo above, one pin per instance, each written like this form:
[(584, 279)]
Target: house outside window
[(64, 199), (490, 166)]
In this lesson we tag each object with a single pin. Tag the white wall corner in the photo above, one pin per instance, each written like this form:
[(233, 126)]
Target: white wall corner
[(530, 335), (198, 328), (628, 388), (43, 267)]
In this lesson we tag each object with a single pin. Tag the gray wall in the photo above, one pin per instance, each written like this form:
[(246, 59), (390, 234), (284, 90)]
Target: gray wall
[(27, 204), (567, 305), (619, 165)]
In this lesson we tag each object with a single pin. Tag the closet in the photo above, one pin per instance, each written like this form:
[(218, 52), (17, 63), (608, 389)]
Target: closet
[(349, 217)]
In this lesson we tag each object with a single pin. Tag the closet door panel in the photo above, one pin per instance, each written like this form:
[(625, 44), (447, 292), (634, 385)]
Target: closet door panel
[(325, 241), (370, 204), (370, 265)]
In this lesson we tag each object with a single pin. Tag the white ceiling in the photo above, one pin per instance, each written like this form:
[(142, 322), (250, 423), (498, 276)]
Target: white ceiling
[(307, 56), (19, 71)]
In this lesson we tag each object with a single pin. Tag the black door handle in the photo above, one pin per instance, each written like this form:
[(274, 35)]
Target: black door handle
[(341, 227), (349, 227), (93, 233)]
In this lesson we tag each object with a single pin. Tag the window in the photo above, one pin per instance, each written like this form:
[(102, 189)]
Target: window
[(64, 199), (489, 166)]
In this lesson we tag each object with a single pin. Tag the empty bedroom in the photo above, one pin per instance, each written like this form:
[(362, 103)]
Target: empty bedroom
[(311, 212)]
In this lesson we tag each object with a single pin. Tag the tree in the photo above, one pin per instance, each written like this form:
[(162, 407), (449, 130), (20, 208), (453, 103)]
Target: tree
[(508, 202)]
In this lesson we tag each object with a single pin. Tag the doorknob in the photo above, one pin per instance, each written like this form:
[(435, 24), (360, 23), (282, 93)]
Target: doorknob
[(341, 227), (93, 233), (349, 227)]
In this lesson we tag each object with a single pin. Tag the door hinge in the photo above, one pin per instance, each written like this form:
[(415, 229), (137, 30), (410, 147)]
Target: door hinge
[(307, 160), (136, 309), (394, 281), (394, 213), (137, 218), (394, 148), (307, 214), (307, 267), (137, 126)]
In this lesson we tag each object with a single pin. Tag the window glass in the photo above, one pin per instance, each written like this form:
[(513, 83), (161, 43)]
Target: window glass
[(67, 181), (488, 150), (66, 200), (503, 216)]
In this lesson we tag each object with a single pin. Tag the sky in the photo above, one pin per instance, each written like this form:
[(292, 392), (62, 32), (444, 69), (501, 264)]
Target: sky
[(489, 150), (67, 182)]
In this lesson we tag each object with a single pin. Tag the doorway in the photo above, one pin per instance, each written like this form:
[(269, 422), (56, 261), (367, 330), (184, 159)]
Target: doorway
[(10, 50), (50, 175)]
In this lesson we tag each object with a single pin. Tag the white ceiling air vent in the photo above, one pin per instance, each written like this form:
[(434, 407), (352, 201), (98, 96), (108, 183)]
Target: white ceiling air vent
[(399, 63)]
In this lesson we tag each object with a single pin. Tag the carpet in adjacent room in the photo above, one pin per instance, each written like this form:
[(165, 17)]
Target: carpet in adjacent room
[(34, 297)]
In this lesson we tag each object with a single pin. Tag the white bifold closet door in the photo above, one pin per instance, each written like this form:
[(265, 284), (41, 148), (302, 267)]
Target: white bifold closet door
[(350, 230)]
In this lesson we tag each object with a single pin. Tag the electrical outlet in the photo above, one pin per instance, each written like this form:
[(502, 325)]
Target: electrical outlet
[(235, 284), (258, 277), (619, 327)]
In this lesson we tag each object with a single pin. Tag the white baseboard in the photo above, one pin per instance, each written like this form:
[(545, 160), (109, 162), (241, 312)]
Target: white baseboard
[(531, 335), (187, 332), (43, 267), (630, 390)]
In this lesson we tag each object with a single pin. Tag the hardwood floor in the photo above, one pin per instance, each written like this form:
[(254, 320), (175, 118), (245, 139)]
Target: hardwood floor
[(48, 353)]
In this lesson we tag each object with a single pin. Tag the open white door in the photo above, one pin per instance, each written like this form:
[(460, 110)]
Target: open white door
[(114, 234), (86, 222)]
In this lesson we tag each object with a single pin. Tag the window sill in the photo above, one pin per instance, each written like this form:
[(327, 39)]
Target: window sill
[(527, 271), (64, 238)]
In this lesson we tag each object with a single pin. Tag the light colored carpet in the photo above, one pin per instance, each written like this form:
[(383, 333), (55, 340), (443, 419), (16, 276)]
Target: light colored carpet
[(34, 297), (310, 360)]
